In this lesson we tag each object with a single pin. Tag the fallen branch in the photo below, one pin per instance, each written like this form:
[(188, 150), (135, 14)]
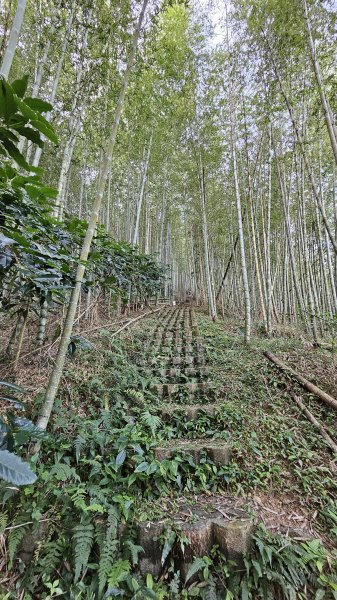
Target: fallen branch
[(101, 326), (151, 312), (310, 387), (315, 423)]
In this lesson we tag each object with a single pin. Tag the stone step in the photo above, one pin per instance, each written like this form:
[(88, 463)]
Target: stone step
[(184, 371), (183, 361), (169, 389), (217, 450), (187, 348), (206, 522), (177, 337), (188, 360), (191, 412)]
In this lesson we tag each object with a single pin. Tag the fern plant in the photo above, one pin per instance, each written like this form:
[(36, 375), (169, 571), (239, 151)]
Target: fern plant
[(109, 547), (153, 422), (83, 539)]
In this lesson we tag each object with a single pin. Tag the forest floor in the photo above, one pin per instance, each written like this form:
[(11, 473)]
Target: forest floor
[(281, 469)]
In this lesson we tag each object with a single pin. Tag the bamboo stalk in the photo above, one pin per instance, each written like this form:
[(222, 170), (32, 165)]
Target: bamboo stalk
[(151, 312), (310, 387), (315, 423)]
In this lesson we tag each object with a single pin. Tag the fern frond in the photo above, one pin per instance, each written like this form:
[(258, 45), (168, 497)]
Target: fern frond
[(118, 572), (108, 548), (83, 538), (78, 497), (135, 395), (134, 551), (63, 472), (97, 493), (14, 539), (79, 443), (209, 592), (108, 555), (3, 521), (197, 565), (53, 555), (153, 422)]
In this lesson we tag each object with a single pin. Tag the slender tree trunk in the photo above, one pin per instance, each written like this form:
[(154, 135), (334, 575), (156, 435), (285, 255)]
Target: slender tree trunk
[(210, 291), (5, 28), (135, 239), (244, 272), (21, 334), (328, 116), (66, 162), (13, 39), (301, 144), (38, 151), (15, 334), (288, 231), (56, 374), (37, 83), (42, 322), (268, 247)]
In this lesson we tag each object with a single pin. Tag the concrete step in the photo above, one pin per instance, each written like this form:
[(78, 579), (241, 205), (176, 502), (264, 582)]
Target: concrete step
[(206, 521), (191, 412), (217, 450), (190, 389), (178, 372)]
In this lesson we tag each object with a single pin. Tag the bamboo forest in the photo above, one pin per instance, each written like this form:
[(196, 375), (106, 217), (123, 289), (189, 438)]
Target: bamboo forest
[(168, 299)]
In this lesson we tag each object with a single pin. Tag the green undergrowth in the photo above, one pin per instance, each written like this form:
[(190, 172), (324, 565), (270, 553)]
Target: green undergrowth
[(73, 534), (276, 449)]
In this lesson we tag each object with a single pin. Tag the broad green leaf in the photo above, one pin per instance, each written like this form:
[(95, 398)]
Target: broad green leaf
[(19, 86), (46, 129), (30, 134), (120, 458), (171, 537), (8, 104), (142, 467), (18, 157), (5, 133), (38, 104), (49, 192), (17, 403), (13, 386), (14, 470), (29, 427), (197, 565)]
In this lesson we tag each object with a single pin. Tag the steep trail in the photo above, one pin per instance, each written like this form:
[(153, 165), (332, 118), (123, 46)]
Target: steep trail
[(206, 422), (175, 353)]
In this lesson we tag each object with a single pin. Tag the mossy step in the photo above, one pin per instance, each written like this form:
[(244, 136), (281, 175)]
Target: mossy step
[(184, 371), (187, 348), (217, 450), (168, 389), (184, 361), (205, 522), (191, 412), (188, 360)]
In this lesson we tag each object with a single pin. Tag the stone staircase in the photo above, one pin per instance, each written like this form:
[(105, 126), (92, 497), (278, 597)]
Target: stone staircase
[(175, 354)]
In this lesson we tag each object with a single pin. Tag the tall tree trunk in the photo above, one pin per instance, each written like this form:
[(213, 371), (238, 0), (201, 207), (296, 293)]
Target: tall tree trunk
[(268, 245), (328, 116), (5, 29), (244, 271), (13, 39), (301, 144), (56, 374), (135, 239), (210, 290), (38, 151), (37, 82)]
